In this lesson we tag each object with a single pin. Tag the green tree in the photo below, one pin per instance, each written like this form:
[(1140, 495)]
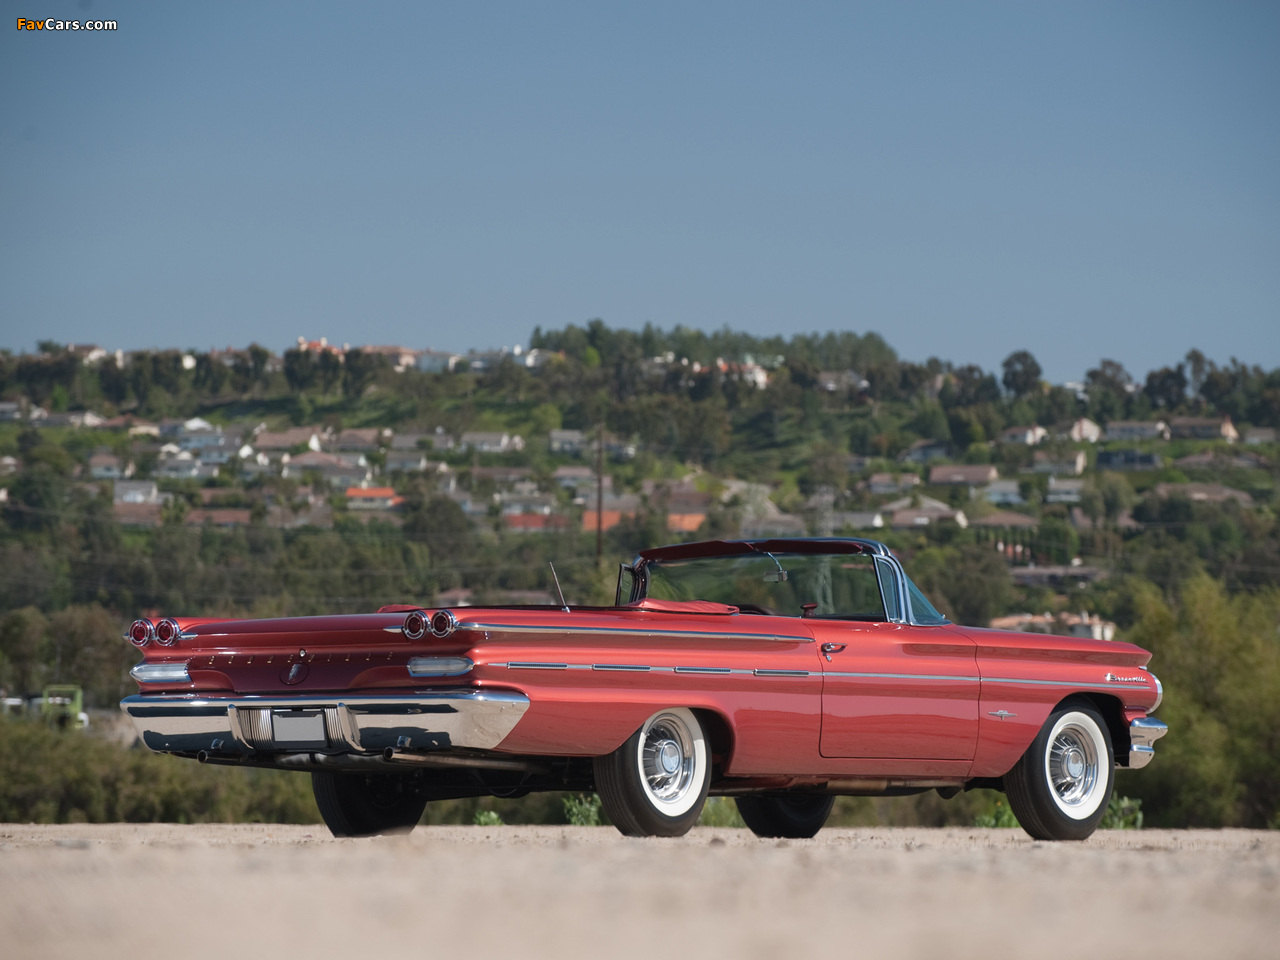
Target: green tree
[(1021, 373)]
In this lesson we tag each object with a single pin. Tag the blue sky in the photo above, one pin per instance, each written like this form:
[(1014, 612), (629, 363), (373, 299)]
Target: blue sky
[(1081, 180)]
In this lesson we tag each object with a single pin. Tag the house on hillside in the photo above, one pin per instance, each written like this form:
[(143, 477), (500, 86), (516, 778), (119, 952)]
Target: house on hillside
[(363, 439), (1064, 464), (137, 491), (842, 381), (372, 498), (857, 520), (882, 484), (339, 470), (1203, 493), (482, 441), (400, 358), (1137, 430), (1026, 435), (223, 517), (922, 451), (566, 442), (1003, 493), (1064, 490), (968, 474), (1257, 436), (915, 517), (1203, 428), (615, 509), (1128, 460), (74, 418), (1084, 430), (406, 461), (281, 441), (105, 465)]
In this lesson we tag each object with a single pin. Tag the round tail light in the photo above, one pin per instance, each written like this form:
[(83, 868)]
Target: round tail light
[(415, 625), (167, 632), (443, 623), (141, 632)]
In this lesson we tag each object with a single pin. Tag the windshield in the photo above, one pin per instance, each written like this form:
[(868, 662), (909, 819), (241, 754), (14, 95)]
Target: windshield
[(838, 587)]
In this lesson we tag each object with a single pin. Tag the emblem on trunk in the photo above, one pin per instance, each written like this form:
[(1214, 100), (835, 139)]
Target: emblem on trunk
[(295, 674)]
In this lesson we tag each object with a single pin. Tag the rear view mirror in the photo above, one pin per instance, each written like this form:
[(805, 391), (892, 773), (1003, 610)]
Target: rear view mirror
[(775, 576)]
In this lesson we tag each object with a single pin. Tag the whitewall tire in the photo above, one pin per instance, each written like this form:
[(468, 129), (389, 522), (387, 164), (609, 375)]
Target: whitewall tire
[(656, 783)]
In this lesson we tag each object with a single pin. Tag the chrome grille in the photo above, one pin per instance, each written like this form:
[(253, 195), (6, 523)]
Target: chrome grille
[(255, 724)]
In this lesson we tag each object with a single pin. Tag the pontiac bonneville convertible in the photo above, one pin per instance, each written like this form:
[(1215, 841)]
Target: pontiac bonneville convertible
[(782, 673)]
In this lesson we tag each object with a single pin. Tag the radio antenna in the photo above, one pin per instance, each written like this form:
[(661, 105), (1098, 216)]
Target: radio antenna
[(563, 606)]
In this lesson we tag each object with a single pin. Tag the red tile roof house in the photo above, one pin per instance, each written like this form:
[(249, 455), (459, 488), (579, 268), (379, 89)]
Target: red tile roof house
[(372, 498)]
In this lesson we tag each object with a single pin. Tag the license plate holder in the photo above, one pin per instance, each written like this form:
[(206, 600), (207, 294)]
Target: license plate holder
[(298, 729)]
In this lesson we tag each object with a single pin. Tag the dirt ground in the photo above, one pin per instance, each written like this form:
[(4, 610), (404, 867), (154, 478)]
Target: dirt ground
[(165, 890)]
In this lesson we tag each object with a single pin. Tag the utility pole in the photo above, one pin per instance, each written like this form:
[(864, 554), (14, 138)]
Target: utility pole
[(599, 494)]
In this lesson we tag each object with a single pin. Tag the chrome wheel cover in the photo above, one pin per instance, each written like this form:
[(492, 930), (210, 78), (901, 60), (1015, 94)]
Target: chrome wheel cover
[(1075, 766), (672, 761)]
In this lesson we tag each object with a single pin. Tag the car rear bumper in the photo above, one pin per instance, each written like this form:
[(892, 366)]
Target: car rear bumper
[(366, 724), (1143, 733)]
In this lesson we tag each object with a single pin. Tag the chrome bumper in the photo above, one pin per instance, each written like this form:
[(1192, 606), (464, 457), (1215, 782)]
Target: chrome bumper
[(427, 719), (1143, 733)]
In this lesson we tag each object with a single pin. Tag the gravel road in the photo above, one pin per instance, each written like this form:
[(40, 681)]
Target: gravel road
[(218, 891)]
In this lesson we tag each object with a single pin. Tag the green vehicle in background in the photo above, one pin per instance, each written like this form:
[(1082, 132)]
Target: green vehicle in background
[(62, 706)]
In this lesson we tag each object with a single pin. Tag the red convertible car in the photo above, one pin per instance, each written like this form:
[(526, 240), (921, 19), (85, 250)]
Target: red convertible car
[(782, 673)]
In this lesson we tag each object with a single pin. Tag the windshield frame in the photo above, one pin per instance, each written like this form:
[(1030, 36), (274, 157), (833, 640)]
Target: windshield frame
[(885, 564)]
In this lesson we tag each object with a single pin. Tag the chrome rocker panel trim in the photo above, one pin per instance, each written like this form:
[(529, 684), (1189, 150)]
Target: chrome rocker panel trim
[(1143, 733), (356, 724)]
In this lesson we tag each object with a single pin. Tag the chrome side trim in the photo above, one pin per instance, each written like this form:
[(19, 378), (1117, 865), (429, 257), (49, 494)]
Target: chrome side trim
[(1143, 733), (160, 673), (783, 673), (1058, 683), (632, 632), (899, 676), (712, 670), (622, 667), (471, 718)]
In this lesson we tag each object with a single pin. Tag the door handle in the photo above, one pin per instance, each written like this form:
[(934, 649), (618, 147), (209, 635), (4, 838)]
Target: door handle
[(829, 648)]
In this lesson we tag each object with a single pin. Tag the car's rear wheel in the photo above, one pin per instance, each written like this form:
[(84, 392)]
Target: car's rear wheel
[(799, 817), (654, 785), (1060, 788), (354, 805)]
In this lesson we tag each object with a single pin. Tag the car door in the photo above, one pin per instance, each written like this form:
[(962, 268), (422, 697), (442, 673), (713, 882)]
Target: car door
[(896, 690)]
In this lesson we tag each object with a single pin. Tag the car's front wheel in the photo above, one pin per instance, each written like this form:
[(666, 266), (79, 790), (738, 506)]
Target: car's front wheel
[(1060, 788), (654, 785), (354, 805), (799, 817)]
